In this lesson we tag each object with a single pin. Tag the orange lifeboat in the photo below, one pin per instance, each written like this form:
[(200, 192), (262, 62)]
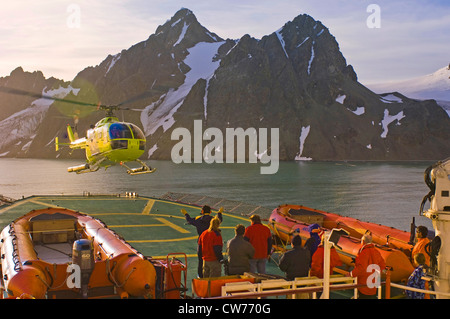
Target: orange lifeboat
[(38, 258), (286, 220)]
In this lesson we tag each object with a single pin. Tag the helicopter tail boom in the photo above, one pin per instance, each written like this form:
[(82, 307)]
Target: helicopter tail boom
[(70, 133)]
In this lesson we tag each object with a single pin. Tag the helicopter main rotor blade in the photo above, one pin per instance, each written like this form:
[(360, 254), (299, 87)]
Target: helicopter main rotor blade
[(109, 108), (47, 97), (141, 96)]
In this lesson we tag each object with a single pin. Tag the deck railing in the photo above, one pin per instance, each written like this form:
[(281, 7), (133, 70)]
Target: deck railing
[(292, 289)]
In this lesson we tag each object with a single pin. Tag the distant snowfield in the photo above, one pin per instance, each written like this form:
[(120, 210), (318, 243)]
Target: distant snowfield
[(432, 86), (23, 124)]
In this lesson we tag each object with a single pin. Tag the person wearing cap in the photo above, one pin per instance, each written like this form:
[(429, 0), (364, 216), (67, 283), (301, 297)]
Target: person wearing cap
[(295, 262), (314, 238), (210, 245), (240, 252), (260, 237), (201, 223), (365, 260), (422, 241)]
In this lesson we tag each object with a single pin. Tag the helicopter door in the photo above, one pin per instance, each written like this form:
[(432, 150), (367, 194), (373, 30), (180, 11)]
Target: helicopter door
[(92, 142), (138, 135)]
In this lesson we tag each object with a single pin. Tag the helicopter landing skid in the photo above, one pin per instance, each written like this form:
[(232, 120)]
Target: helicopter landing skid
[(84, 168), (145, 169)]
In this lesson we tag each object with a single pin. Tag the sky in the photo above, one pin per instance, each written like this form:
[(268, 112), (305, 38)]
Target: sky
[(384, 40)]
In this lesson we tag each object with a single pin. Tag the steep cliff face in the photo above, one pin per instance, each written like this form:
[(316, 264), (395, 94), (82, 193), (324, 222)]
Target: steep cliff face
[(295, 79), (21, 116)]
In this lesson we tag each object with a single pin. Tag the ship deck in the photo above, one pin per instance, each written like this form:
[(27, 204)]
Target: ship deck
[(153, 226)]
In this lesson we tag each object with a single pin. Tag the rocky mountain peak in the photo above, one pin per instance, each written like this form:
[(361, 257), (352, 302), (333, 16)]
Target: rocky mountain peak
[(33, 82), (184, 30), (295, 79)]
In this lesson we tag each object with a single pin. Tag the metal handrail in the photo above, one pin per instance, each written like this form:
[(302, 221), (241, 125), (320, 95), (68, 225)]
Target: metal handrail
[(288, 292), (428, 292), (284, 288)]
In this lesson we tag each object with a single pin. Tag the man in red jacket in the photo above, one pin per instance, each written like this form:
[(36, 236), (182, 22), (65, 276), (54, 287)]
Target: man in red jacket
[(260, 237), (368, 267)]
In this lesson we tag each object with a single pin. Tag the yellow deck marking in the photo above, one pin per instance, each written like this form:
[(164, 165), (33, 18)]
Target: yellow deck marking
[(176, 256), (125, 226), (25, 201), (146, 211), (45, 204), (172, 225), (14, 205), (180, 256), (148, 207), (161, 240)]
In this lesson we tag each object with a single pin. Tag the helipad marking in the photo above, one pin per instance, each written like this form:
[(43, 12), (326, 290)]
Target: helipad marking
[(35, 201), (148, 207), (164, 222), (161, 240), (146, 211), (172, 225), (131, 226)]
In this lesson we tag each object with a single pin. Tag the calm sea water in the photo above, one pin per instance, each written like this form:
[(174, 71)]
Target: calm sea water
[(388, 193)]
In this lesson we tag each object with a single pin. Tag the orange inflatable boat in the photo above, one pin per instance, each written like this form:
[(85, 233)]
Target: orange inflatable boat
[(392, 243), (60, 253)]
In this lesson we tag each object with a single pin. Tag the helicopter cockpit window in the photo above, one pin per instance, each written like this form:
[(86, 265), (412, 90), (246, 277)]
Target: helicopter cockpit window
[(119, 130), (137, 133)]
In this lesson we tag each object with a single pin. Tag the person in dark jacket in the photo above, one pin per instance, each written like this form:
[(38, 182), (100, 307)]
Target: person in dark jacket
[(314, 240), (295, 262), (240, 252), (201, 223)]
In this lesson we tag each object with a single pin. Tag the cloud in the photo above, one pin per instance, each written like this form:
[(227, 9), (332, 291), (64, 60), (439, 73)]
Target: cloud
[(413, 39)]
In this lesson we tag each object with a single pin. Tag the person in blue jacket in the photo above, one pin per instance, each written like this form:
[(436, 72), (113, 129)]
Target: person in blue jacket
[(415, 279)]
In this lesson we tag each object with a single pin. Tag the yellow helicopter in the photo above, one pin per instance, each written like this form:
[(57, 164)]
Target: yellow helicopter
[(109, 142)]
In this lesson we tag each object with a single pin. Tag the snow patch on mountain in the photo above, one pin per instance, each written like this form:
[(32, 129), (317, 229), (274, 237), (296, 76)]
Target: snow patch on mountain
[(391, 98), (281, 39), (182, 34), (23, 125), (303, 135), (388, 119), (160, 113), (205, 97), (311, 59), (360, 110), (113, 62), (341, 98)]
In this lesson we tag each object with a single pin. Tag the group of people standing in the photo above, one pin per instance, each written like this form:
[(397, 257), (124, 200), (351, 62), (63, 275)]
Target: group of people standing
[(250, 248), (248, 251)]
